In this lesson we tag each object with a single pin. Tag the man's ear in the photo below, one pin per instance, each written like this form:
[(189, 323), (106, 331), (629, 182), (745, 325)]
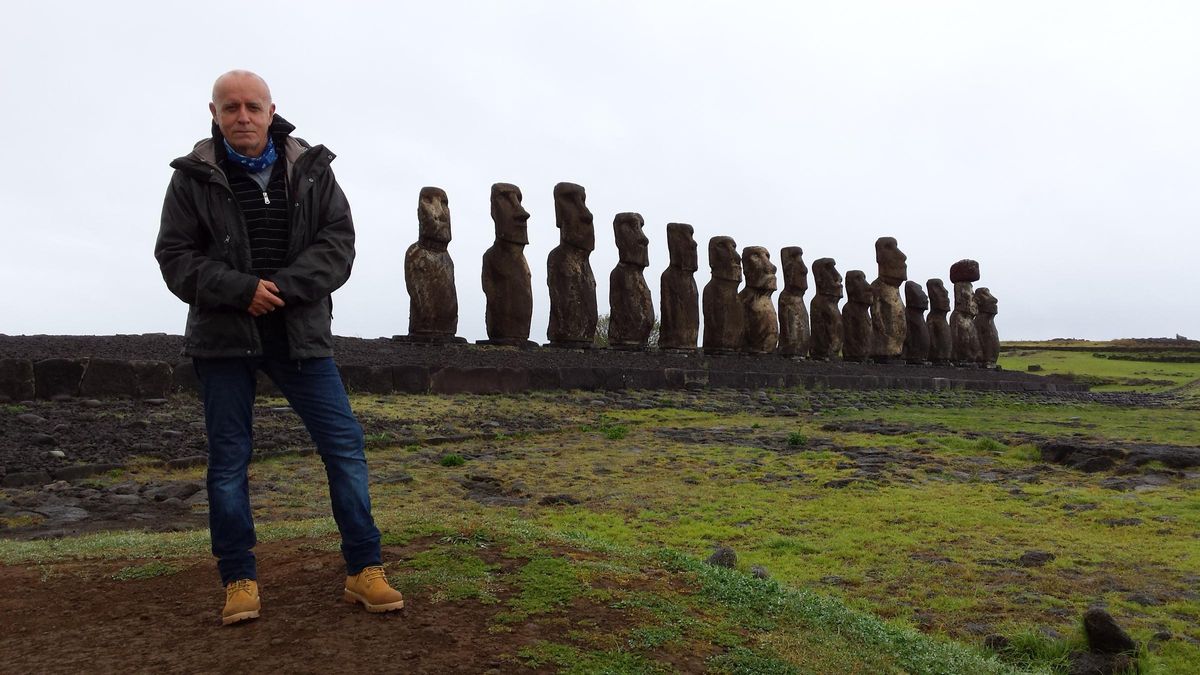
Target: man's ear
[(272, 109), (212, 110)]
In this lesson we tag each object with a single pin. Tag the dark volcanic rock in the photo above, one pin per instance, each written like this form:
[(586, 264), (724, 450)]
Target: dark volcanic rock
[(1104, 636), (723, 556)]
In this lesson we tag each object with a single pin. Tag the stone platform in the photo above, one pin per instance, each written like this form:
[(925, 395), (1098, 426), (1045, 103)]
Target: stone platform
[(152, 366)]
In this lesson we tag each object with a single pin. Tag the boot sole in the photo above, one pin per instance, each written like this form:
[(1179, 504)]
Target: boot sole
[(352, 598), (240, 616)]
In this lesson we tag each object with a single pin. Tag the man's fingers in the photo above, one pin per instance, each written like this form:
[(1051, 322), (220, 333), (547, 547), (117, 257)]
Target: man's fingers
[(275, 300), (271, 286)]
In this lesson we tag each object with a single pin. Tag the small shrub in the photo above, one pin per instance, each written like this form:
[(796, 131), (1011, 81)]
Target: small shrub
[(452, 460), (797, 439), (615, 432)]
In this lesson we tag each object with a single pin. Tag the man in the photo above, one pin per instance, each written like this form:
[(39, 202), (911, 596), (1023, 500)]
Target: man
[(255, 236)]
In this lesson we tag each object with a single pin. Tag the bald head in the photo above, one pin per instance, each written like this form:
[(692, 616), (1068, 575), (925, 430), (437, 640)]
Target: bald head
[(245, 76), (242, 109)]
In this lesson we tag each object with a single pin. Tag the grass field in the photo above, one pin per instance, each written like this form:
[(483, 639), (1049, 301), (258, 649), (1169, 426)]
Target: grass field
[(893, 526)]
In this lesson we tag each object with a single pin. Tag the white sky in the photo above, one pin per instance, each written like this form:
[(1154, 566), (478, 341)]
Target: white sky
[(1057, 143)]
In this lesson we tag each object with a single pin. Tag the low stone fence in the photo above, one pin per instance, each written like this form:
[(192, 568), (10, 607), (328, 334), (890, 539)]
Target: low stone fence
[(22, 379)]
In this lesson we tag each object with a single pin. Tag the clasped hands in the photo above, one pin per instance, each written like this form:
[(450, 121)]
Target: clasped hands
[(266, 298)]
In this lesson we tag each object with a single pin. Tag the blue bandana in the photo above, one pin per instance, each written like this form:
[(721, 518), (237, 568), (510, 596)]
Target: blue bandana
[(254, 164)]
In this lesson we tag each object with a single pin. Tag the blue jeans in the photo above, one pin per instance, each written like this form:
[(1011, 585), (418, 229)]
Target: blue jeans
[(314, 390)]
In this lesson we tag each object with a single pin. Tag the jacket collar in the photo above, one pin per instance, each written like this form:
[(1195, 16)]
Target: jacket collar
[(208, 153)]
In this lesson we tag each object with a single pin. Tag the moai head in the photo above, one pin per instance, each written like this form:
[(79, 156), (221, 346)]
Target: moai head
[(433, 216), (760, 272), (723, 259), (964, 299), (939, 298), (914, 297), (508, 214), (795, 272), (893, 264), (985, 301), (681, 246), (631, 241), (857, 288), (572, 217), (826, 277), (964, 270)]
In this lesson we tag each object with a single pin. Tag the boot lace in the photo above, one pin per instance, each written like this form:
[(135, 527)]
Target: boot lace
[(241, 585), (372, 574)]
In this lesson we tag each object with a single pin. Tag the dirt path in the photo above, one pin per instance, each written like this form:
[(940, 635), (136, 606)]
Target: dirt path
[(82, 620)]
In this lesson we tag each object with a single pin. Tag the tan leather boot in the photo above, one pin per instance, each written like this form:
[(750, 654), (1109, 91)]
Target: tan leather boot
[(370, 587), (241, 601)]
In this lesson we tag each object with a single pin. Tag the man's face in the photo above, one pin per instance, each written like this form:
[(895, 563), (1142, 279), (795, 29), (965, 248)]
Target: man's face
[(242, 109)]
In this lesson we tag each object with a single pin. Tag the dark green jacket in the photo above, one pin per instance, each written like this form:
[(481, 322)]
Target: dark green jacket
[(203, 251)]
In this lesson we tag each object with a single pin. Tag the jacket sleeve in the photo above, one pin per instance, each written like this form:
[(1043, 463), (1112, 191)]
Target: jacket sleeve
[(191, 275), (323, 266)]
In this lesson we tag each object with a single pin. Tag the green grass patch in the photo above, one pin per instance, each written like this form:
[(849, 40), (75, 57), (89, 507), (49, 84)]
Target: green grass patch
[(154, 568)]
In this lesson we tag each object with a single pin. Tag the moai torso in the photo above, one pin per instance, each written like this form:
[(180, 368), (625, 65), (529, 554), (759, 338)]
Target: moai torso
[(888, 324), (916, 338), (569, 271), (429, 271), (964, 339), (724, 320), (824, 313), (940, 344), (762, 324), (795, 335), (506, 278), (631, 310), (857, 332), (985, 327), (679, 298)]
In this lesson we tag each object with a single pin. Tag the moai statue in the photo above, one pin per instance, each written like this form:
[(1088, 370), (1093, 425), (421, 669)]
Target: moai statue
[(631, 311), (916, 339), (794, 332), (679, 299), (762, 324), (429, 274), (940, 344), (569, 272), (826, 318), (857, 332), (887, 311), (724, 320), (964, 339), (985, 327), (506, 278)]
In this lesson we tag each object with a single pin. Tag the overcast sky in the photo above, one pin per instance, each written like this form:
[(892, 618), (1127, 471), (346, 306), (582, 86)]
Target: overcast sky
[(1057, 143)]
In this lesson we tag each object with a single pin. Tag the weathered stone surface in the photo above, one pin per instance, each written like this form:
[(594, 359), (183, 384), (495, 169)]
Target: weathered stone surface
[(964, 338), (154, 379), (762, 324), (108, 377), (506, 276), (429, 271), (964, 270), (679, 299), (16, 379), (1104, 636), (723, 556), (58, 377), (857, 332), (825, 315), (985, 327), (724, 320), (940, 344), (631, 310), (795, 333), (888, 323), (569, 271), (916, 338)]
